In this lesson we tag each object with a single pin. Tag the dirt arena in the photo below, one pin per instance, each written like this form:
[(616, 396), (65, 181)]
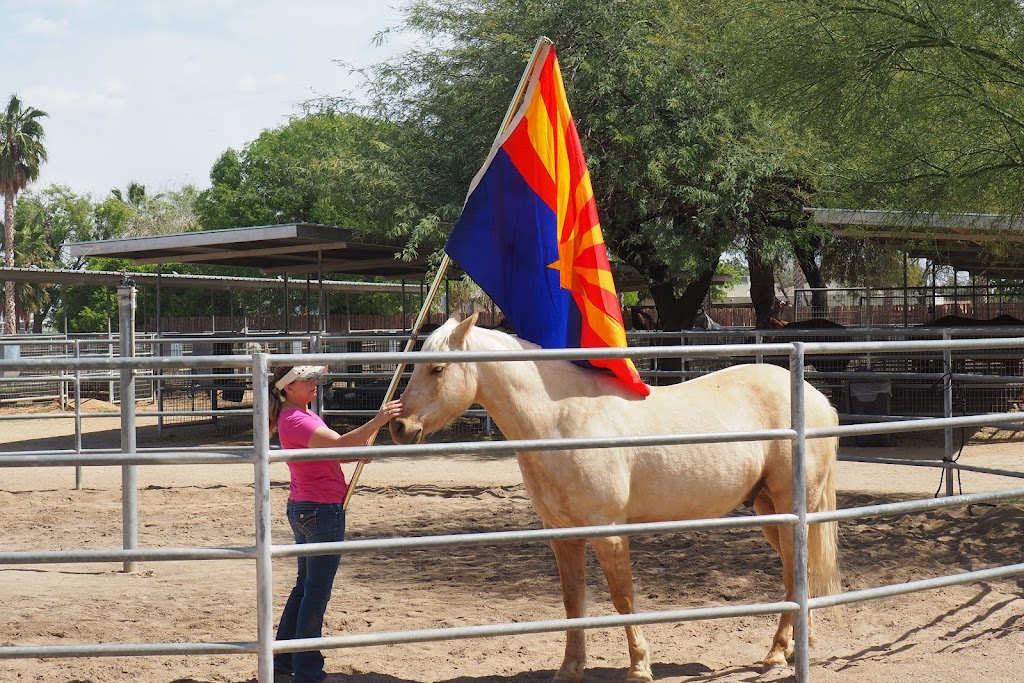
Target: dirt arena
[(963, 633)]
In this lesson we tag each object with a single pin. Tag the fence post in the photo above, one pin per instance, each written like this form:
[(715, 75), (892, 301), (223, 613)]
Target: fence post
[(316, 345), (947, 411), (801, 655), (129, 493), (78, 414), (264, 568)]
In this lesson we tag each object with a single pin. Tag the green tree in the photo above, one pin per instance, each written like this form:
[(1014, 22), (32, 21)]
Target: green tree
[(134, 197), (35, 249), (21, 154), (919, 100), (164, 213), (325, 167), (47, 220), (677, 163), (111, 219), (167, 213)]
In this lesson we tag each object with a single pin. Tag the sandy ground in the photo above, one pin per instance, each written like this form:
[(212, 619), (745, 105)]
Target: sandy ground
[(961, 633)]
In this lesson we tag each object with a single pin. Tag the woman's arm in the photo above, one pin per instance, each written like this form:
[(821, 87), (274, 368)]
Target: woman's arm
[(325, 437)]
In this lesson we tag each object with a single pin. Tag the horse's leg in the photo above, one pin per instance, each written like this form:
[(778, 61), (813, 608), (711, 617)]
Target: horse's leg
[(571, 557), (613, 554), (780, 538), (763, 506)]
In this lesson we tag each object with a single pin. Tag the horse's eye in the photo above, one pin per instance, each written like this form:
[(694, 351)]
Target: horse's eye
[(437, 370)]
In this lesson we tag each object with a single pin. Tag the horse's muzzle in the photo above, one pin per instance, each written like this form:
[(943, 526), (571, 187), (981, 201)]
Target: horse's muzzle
[(405, 431)]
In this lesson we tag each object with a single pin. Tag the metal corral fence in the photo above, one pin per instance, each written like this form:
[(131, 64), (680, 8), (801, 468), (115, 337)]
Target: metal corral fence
[(260, 456), (219, 396), (883, 386), (916, 383), (19, 386)]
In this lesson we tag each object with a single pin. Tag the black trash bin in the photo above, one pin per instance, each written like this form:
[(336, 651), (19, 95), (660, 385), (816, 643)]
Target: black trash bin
[(871, 397)]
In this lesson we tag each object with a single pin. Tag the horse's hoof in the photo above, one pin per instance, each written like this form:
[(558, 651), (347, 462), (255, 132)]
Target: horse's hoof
[(772, 662), (777, 674), (567, 677), (635, 676)]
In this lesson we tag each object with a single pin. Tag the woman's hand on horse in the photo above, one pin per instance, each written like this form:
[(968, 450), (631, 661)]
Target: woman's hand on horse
[(390, 410)]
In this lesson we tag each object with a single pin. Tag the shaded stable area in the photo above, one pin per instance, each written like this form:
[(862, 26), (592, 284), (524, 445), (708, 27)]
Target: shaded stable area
[(866, 385), (989, 249), (300, 261), (298, 258), (282, 252), (285, 251)]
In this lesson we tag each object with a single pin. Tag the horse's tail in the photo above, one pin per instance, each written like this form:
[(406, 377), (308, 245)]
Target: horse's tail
[(823, 538)]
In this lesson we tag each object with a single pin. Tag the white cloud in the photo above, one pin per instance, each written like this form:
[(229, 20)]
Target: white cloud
[(70, 100), (156, 91), (114, 86), (41, 27), (250, 82)]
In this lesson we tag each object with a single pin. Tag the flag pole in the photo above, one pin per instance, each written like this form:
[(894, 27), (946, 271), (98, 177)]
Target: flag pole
[(442, 268)]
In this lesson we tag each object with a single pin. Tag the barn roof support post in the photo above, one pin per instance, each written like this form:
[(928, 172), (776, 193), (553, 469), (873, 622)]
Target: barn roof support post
[(159, 350), (960, 310), (323, 308), (934, 292), (405, 321), (287, 317), (309, 308), (159, 296), (906, 298), (423, 292)]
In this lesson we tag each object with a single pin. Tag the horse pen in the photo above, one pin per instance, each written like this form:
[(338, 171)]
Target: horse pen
[(205, 584)]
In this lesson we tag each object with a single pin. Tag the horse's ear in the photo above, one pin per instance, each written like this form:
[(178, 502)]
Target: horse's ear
[(458, 336)]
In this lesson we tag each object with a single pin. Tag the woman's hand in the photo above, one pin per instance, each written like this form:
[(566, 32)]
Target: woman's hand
[(389, 410), (325, 437)]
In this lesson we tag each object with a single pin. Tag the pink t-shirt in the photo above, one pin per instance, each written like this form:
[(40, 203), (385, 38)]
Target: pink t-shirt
[(315, 481)]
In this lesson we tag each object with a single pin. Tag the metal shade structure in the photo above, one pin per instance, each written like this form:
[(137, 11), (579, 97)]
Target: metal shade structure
[(293, 248), (307, 250), (107, 278), (990, 245), (290, 248)]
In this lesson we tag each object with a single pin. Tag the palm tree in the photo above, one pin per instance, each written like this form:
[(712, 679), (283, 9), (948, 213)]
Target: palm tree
[(134, 198), (21, 153), (36, 247)]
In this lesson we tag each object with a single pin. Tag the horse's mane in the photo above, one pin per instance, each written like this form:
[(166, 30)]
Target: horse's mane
[(479, 339), (563, 378)]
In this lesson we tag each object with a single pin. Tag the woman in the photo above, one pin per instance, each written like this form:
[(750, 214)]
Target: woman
[(315, 507)]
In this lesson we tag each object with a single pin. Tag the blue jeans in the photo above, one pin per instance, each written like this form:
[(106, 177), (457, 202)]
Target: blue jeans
[(303, 615)]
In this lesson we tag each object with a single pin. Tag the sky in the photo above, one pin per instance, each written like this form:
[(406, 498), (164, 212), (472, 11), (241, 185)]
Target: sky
[(154, 91)]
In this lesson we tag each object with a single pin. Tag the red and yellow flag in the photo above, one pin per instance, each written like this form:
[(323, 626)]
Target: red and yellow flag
[(529, 234)]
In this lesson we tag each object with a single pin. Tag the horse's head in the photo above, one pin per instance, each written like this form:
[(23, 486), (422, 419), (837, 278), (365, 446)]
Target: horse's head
[(437, 392), (703, 321)]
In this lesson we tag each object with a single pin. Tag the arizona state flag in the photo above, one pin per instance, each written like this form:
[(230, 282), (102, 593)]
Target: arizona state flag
[(529, 235)]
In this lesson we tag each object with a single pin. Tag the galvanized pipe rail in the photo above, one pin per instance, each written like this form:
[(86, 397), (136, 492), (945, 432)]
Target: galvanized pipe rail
[(264, 550)]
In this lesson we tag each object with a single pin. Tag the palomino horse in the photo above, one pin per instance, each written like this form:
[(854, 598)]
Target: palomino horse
[(549, 399)]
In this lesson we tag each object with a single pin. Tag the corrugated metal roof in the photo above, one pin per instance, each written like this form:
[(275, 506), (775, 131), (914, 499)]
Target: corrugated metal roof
[(990, 245), (289, 248), (105, 278)]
